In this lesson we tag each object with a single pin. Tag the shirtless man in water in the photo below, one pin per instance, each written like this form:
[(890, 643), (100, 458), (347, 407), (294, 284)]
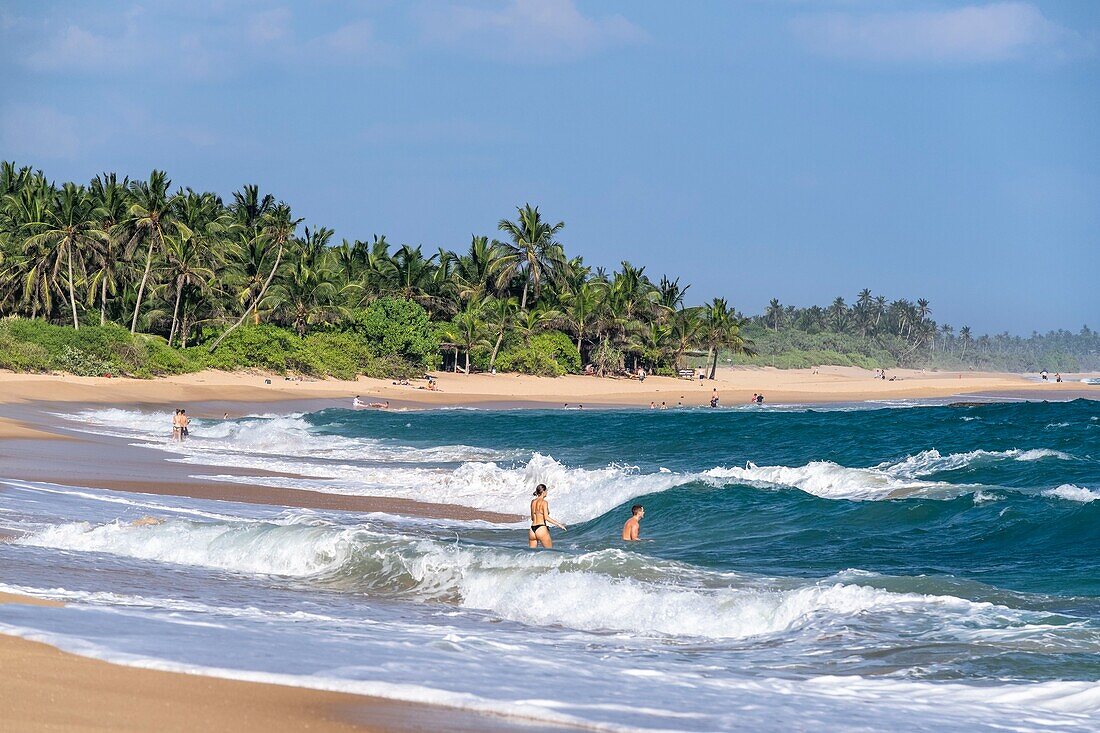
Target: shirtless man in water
[(541, 520), (631, 528)]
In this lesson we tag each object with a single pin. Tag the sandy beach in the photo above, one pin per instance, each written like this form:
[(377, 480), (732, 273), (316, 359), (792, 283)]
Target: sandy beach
[(46, 689), (735, 385)]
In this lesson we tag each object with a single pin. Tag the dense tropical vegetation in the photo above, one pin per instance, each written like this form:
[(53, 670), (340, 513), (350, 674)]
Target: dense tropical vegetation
[(874, 332), (137, 277)]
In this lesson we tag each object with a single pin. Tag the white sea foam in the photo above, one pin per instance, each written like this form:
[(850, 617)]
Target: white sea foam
[(1069, 492), (833, 481), (931, 461), (276, 435), (607, 590)]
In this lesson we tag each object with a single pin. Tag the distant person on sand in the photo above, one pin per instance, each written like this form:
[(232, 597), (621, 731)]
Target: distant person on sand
[(1057, 376), (714, 398), (541, 520), (631, 528), (1043, 374), (357, 402)]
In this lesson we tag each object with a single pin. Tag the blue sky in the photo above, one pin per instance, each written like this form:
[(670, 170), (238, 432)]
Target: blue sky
[(797, 149)]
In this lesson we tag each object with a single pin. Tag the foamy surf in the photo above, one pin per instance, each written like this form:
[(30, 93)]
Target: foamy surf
[(607, 591), (1069, 492)]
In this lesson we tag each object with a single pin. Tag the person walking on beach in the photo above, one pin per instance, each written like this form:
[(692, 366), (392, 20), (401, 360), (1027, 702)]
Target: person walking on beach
[(541, 520), (631, 528)]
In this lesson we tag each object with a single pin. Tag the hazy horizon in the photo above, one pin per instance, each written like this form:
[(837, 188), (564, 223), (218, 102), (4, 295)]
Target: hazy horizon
[(789, 150)]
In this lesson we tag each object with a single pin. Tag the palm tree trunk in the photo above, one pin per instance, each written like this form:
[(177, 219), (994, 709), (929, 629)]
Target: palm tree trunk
[(710, 350), (175, 314), (141, 288), (714, 365), (103, 302), (496, 349), (72, 292), (255, 303), (467, 362), (523, 300)]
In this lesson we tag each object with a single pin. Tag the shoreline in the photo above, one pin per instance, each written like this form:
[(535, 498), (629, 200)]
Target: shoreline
[(734, 384), (48, 689), (38, 446)]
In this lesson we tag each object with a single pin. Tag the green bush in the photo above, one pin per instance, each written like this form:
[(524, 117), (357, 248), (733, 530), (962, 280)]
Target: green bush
[(551, 354), (395, 327)]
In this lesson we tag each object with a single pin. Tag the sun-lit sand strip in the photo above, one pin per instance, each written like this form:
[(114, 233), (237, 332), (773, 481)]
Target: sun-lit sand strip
[(735, 384)]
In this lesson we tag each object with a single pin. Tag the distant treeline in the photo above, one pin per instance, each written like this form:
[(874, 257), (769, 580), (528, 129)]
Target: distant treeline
[(137, 277), (874, 332)]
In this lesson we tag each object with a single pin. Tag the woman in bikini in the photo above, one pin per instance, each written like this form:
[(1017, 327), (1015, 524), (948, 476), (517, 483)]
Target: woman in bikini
[(541, 520)]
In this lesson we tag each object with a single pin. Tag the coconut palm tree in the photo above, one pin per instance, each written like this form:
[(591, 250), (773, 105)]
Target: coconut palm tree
[(112, 203), (533, 254), (466, 330), (276, 229), (722, 330), (70, 228), (187, 267), (304, 293), (189, 254), (152, 217), (499, 314), (581, 310), (476, 272)]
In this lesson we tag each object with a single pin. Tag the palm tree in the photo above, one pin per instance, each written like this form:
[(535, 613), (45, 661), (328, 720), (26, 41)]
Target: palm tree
[(476, 271), (70, 226), (722, 330), (774, 313), (687, 327), (412, 273), (499, 313), (276, 229), (186, 267), (838, 312), (250, 209), (531, 322), (533, 253), (468, 331), (965, 337), (304, 293), (151, 217), (112, 203), (581, 310), (188, 253)]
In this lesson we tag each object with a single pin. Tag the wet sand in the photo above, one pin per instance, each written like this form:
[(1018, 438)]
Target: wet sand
[(46, 689)]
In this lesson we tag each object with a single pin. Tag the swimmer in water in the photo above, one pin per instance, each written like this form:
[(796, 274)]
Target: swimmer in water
[(541, 520), (631, 528)]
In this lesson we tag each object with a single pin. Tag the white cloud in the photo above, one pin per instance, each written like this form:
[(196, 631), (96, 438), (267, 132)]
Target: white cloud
[(269, 25), (970, 34), (37, 132), (535, 31), (354, 39), (75, 48)]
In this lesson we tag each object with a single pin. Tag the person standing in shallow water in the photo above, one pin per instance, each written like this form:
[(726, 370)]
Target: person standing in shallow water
[(632, 528), (541, 520)]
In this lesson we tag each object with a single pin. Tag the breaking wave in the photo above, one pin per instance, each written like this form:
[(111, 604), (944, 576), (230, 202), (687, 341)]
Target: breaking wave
[(603, 591)]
